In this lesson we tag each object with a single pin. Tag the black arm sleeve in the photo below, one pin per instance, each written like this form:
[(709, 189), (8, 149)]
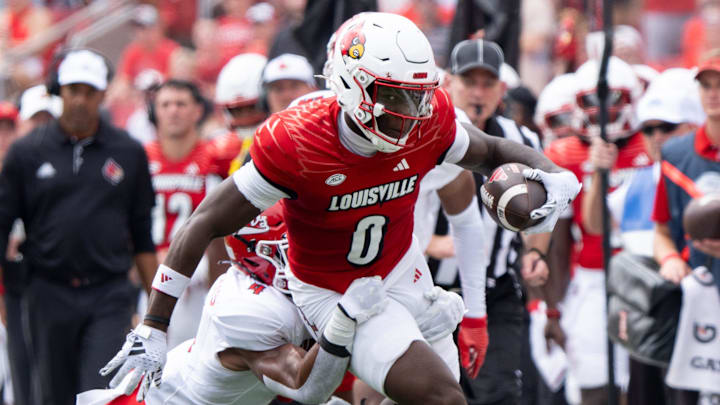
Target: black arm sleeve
[(141, 208), (11, 200)]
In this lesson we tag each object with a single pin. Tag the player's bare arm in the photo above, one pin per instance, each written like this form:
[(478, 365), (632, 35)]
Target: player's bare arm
[(221, 213), (486, 152), (289, 365), (453, 196)]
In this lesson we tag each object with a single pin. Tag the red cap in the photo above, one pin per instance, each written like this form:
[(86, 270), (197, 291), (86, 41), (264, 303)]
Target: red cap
[(710, 63), (8, 111)]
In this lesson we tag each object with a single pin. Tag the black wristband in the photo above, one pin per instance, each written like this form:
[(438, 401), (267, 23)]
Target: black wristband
[(332, 348), (536, 250), (157, 319)]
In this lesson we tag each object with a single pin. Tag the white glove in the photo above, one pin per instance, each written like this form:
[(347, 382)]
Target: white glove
[(561, 189), (143, 353), (364, 298), (442, 317)]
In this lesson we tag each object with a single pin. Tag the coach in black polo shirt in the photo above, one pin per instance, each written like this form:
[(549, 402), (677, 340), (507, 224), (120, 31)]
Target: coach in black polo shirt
[(82, 188)]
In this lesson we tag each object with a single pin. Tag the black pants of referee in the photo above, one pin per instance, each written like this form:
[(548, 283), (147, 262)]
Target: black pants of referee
[(500, 379), (73, 333)]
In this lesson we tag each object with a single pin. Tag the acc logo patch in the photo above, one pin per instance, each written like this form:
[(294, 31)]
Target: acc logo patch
[(335, 180), (352, 43)]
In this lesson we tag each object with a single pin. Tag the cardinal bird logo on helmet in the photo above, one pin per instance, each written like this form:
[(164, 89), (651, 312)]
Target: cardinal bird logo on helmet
[(353, 42)]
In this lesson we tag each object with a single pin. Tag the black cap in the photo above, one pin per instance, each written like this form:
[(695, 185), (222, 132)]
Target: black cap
[(476, 53)]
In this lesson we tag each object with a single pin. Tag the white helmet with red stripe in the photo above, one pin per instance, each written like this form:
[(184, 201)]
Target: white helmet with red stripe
[(624, 92), (383, 73), (555, 107)]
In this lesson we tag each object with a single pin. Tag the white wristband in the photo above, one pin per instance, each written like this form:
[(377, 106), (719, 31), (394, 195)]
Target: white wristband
[(169, 281)]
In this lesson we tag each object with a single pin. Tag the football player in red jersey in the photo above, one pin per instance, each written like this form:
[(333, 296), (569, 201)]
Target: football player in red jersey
[(183, 168), (586, 324), (349, 213)]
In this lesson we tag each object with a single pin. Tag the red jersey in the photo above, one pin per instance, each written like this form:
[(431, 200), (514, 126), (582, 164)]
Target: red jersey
[(227, 147), (573, 154), (179, 187), (349, 216)]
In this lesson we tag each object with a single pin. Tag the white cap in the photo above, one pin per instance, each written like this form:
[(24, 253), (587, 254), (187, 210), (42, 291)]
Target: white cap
[(289, 67), (145, 15), (672, 97), (83, 66), (36, 99)]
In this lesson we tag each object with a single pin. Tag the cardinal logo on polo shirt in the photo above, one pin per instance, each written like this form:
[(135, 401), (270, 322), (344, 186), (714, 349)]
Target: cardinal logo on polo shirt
[(113, 172)]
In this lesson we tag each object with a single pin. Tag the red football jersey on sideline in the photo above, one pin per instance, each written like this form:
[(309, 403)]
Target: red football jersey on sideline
[(227, 147), (350, 216), (574, 154), (179, 187)]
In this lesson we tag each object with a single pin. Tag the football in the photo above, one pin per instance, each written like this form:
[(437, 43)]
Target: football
[(701, 219), (509, 197)]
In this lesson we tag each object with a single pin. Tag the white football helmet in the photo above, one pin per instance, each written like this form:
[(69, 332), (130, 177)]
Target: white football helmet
[(383, 73), (238, 85), (555, 107), (625, 90)]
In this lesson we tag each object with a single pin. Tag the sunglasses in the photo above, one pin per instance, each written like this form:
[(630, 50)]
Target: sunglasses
[(665, 128)]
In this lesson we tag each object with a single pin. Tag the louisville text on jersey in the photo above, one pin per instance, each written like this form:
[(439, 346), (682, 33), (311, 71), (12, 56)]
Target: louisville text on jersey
[(373, 195), (178, 182)]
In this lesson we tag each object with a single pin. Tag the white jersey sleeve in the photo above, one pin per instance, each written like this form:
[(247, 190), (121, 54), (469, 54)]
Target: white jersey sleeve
[(250, 315), (256, 188), (459, 146)]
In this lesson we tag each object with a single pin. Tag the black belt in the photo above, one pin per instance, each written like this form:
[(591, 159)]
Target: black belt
[(80, 281)]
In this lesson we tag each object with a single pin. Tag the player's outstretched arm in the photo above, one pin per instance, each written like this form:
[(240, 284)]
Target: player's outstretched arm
[(312, 378), (485, 152), (222, 212)]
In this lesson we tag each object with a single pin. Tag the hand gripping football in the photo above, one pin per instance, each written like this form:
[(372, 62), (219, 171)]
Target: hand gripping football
[(701, 218), (509, 197)]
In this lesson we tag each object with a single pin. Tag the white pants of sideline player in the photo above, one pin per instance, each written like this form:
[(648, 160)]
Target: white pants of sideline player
[(584, 321), (380, 341)]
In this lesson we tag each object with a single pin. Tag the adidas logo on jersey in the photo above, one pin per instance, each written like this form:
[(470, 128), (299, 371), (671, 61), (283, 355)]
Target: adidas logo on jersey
[(164, 277), (403, 165)]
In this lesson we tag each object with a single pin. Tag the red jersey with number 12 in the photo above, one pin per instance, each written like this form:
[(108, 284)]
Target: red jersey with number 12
[(179, 187), (349, 216)]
